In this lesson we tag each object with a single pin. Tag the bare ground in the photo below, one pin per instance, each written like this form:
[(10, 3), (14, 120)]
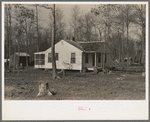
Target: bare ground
[(75, 85)]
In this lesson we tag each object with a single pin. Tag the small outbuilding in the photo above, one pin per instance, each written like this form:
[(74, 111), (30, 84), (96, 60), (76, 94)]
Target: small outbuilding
[(19, 59), (75, 55)]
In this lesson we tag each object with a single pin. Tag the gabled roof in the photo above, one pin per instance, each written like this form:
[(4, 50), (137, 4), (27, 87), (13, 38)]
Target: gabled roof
[(84, 46), (76, 44), (91, 46), (22, 54)]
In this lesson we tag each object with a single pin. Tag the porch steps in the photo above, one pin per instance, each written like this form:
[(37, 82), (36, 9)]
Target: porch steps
[(92, 68)]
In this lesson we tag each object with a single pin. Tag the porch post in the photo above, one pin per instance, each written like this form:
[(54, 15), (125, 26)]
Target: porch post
[(95, 58), (34, 61)]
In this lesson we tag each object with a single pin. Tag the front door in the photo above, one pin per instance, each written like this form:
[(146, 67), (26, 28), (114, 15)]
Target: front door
[(93, 59)]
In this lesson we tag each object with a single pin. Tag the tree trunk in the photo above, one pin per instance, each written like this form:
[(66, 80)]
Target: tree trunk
[(143, 47), (9, 35), (18, 58), (127, 24), (122, 53), (26, 57), (53, 47), (14, 66), (104, 47), (100, 34), (37, 29), (26, 44), (119, 54), (75, 31), (143, 39)]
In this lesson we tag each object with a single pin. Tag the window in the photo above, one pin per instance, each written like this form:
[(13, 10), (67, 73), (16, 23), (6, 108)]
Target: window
[(86, 58), (37, 56), (50, 57), (42, 56), (73, 58), (99, 58), (39, 59)]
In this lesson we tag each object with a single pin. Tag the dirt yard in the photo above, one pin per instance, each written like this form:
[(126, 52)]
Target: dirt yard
[(75, 85)]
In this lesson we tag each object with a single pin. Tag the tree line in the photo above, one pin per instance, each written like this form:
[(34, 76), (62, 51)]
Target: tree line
[(122, 26)]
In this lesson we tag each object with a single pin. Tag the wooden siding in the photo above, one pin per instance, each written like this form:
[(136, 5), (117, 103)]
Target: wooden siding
[(64, 50)]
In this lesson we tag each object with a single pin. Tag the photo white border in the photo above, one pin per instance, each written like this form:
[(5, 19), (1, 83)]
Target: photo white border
[(68, 109)]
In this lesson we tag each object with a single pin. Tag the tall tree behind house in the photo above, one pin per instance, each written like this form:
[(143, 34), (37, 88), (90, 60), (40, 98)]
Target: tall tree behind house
[(22, 14), (117, 19), (8, 31), (127, 14), (139, 19), (59, 25), (37, 27), (88, 26), (74, 20), (104, 12)]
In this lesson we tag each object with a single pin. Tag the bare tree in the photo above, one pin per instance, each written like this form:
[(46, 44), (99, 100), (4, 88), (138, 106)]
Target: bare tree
[(74, 19), (8, 17), (22, 14), (37, 27), (59, 25), (88, 26), (53, 41), (7, 31), (100, 27), (127, 14), (53, 46), (139, 18), (9, 10)]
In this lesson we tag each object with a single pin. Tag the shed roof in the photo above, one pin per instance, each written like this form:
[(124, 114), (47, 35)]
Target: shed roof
[(22, 54), (91, 46)]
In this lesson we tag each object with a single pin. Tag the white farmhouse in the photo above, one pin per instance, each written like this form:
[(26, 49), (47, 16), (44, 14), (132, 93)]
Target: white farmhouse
[(75, 55)]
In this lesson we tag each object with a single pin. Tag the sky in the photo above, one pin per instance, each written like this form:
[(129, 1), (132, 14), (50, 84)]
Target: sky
[(66, 8)]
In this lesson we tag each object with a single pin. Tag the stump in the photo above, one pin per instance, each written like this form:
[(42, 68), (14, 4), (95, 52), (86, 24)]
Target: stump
[(44, 89)]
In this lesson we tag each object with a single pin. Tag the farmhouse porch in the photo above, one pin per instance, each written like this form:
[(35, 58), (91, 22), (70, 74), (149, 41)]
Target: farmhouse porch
[(96, 54), (96, 59)]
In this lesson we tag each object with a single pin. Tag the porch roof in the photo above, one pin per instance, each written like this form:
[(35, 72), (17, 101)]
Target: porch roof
[(22, 54), (40, 52), (91, 46)]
